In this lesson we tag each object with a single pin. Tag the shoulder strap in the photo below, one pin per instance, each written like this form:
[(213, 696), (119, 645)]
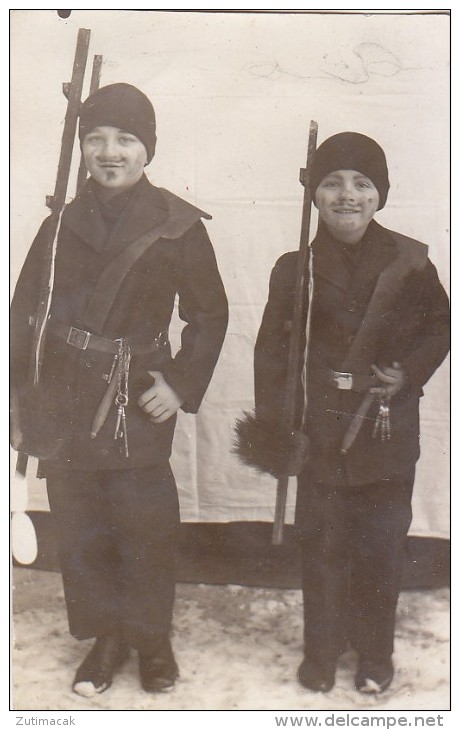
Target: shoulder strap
[(412, 256), (181, 217), (414, 253)]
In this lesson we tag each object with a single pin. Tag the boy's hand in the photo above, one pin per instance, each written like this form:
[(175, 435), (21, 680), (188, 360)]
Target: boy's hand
[(160, 401), (393, 378)]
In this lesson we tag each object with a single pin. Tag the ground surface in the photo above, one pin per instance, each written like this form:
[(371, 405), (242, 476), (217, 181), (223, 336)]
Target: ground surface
[(238, 649)]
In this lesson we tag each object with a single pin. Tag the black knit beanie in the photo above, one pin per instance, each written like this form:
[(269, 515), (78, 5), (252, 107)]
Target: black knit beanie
[(351, 151), (122, 106)]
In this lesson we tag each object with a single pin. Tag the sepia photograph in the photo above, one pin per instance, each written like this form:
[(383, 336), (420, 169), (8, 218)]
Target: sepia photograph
[(230, 260)]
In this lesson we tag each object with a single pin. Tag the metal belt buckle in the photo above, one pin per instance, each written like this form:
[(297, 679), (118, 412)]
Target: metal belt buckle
[(342, 381), (78, 338)]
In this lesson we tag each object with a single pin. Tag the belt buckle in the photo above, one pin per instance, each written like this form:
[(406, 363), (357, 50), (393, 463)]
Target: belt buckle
[(342, 381), (78, 338)]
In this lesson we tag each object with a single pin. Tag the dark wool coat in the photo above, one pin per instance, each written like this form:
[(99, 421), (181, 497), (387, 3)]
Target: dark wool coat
[(387, 306), (181, 262)]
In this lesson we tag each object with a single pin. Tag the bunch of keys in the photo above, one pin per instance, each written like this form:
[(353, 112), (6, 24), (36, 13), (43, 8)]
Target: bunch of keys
[(122, 399), (382, 422)]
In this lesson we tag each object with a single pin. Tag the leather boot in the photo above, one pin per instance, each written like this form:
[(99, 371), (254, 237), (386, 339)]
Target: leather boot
[(95, 673), (158, 669), (316, 676), (374, 677)]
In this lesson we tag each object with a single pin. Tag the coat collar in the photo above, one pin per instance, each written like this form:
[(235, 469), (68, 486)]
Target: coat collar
[(379, 249), (146, 209), (379, 252)]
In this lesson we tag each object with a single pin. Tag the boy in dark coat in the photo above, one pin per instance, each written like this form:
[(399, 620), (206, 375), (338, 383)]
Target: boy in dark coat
[(378, 329), (103, 415)]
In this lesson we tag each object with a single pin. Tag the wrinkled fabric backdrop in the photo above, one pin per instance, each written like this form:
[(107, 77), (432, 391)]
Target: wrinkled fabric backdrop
[(234, 95)]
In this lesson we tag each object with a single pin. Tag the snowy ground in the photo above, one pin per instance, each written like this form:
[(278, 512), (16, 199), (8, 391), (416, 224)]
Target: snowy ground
[(238, 649)]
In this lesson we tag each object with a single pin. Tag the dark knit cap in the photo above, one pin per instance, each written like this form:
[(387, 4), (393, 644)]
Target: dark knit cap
[(351, 151), (122, 106)]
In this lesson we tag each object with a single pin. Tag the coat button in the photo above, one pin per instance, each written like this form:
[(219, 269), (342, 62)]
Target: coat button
[(90, 362), (353, 307)]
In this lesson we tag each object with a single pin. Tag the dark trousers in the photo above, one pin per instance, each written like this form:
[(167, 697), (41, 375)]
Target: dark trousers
[(116, 532), (353, 547)]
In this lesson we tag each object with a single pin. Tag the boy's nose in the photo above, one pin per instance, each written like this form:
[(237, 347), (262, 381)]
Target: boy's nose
[(346, 192), (110, 150)]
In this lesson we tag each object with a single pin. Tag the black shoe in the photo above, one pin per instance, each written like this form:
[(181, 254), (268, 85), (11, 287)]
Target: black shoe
[(95, 673), (374, 677), (158, 671), (316, 677)]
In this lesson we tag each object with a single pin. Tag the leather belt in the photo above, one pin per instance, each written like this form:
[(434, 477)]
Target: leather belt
[(348, 381), (83, 340)]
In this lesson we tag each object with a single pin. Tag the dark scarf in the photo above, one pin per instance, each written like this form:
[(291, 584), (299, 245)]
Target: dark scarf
[(112, 208)]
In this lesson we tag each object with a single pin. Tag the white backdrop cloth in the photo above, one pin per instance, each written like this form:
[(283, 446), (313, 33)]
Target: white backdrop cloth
[(234, 95)]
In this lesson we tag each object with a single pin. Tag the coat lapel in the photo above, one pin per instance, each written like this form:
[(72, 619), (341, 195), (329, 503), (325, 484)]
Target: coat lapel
[(146, 210), (327, 262), (378, 252), (82, 216)]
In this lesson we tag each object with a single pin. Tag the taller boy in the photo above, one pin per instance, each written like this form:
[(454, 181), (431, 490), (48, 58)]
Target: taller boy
[(104, 420)]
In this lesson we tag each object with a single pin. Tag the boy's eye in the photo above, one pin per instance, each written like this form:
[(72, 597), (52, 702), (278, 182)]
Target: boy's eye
[(126, 139)]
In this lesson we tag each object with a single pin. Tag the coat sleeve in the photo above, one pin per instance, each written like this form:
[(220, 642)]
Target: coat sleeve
[(432, 341), (23, 309), (272, 343), (203, 307)]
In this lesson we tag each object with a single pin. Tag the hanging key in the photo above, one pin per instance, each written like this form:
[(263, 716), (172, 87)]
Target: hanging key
[(121, 401), (118, 423), (386, 434), (377, 423), (382, 422), (124, 433)]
